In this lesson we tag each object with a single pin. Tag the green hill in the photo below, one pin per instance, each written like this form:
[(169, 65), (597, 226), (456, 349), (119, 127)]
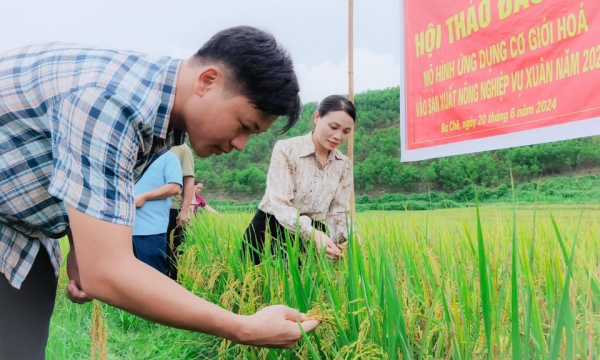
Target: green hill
[(378, 170)]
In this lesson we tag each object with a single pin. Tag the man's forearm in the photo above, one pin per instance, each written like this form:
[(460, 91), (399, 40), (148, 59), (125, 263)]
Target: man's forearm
[(109, 272), (162, 192), (188, 193), (137, 288)]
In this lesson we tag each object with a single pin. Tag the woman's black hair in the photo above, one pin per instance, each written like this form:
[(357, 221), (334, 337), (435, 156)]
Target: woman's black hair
[(337, 103), (196, 182)]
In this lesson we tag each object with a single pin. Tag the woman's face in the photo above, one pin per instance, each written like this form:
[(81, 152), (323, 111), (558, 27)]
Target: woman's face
[(198, 188), (333, 129)]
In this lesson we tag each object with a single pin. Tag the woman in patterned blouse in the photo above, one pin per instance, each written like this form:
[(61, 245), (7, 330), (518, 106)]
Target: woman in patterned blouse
[(308, 186)]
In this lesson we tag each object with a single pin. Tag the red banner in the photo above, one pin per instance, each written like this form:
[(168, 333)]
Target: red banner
[(478, 69)]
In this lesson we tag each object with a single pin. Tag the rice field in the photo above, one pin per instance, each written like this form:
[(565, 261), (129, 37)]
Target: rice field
[(491, 283)]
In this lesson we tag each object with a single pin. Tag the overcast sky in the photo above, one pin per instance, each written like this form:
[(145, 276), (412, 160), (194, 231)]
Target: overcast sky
[(314, 31)]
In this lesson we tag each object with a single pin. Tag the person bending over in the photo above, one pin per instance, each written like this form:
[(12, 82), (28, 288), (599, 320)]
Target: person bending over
[(308, 186), (78, 126)]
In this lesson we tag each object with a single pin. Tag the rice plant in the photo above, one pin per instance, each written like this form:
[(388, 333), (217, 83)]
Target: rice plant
[(496, 282)]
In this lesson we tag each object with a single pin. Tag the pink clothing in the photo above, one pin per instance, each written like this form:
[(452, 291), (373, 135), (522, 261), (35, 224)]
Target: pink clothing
[(198, 201)]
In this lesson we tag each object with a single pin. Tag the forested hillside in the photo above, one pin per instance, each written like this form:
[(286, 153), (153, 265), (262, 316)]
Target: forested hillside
[(377, 158)]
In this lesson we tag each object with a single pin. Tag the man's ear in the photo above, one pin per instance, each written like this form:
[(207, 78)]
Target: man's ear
[(208, 79)]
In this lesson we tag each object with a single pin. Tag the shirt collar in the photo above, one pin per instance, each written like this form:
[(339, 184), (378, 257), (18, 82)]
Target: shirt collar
[(307, 147), (161, 128)]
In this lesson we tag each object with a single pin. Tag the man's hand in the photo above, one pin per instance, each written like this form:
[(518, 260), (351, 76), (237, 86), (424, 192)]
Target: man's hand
[(324, 243), (140, 200), (275, 327), (186, 201), (183, 218), (74, 291)]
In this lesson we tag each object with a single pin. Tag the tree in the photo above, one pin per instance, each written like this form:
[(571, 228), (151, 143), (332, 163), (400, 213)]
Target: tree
[(377, 157)]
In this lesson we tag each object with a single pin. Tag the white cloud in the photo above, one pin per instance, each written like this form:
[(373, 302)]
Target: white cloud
[(317, 40), (371, 71)]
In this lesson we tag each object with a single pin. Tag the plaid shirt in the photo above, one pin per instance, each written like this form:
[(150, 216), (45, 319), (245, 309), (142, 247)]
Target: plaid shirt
[(78, 126)]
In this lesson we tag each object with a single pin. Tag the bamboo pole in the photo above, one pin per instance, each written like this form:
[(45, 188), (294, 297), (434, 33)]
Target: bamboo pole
[(351, 91)]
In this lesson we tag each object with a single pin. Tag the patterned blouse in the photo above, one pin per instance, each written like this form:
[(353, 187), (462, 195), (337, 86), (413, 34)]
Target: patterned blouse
[(299, 187)]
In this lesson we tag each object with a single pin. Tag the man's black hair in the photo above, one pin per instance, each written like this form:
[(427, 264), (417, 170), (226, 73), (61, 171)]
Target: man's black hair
[(262, 70)]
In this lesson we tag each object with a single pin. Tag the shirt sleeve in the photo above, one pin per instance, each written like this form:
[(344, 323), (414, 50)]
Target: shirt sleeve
[(94, 147), (280, 190), (201, 201), (338, 216), (187, 162), (172, 169)]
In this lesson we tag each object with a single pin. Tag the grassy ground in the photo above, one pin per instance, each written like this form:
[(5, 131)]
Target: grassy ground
[(425, 285)]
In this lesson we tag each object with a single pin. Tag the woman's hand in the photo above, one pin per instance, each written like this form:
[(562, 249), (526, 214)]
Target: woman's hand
[(345, 243), (324, 243)]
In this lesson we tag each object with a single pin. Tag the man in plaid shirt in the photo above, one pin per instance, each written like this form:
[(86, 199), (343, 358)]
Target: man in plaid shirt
[(78, 126)]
